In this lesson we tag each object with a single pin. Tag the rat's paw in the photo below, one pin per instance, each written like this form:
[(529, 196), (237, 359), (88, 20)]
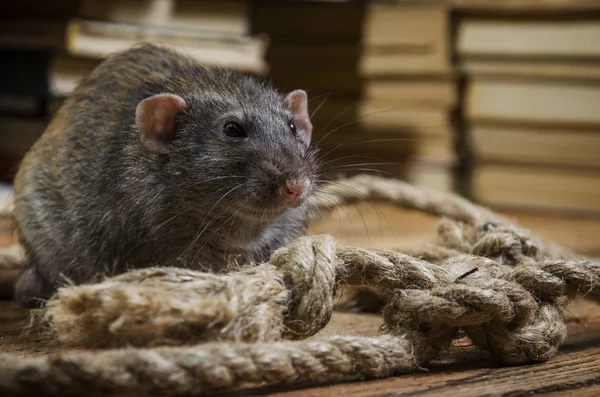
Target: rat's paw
[(30, 291), (12, 260)]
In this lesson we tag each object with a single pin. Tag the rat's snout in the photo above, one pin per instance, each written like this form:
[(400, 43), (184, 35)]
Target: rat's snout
[(280, 183), (294, 190)]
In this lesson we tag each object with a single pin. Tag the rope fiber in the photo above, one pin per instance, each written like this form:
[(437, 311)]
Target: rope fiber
[(180, 332)]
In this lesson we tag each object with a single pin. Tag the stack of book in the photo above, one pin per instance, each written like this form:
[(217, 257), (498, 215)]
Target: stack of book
[(379, 77), (52, 46), (31, 31), (409, 88), (314, 45), (532, 104), (212, 31), (215, 32)]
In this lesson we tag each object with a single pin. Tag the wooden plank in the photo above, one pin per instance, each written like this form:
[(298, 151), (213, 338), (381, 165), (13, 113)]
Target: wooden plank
[(460, 372)]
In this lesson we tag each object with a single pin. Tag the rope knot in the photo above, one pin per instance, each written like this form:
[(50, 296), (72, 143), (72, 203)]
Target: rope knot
[(504, 243), (309, 272), (515, 325), (498, 314), (490, 280)]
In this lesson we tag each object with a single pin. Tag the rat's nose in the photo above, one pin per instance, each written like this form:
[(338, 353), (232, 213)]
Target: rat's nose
[(295, 189)]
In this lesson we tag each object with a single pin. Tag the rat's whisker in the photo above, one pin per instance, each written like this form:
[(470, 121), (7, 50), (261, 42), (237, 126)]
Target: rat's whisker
[(322, 156), (190, 247), (319, 107), (348, 143), (349, 157), (164, 223), (375, 171), (420, 128), (347, 109), (323, 196), (315, 97), (417, 139), (355, 191), (199, 234), (222, 177), (231, 218), (360, 164), (318, 211)]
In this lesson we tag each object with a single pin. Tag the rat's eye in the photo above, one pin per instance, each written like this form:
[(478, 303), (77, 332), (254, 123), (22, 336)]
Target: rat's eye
[(292, 126), (234, 130)]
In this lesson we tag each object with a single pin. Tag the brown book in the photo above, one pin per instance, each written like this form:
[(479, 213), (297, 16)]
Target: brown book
[(343, 83), (316, 66), (309, 21), (529, 38), (516, 7), (438, 150), (314, 57), (537, 188), (388, 156), (431, 174), (530, 68), (330, 111), (571, 102), (536, 145), (405, 38), (33, 33), (388, 144), (434, 91), (409, 117)]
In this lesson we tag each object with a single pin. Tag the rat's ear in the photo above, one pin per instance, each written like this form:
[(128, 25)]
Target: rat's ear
[(298, 101), (155, 118)]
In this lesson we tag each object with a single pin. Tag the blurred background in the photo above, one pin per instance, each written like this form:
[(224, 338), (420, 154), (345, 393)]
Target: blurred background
[(498, 101)]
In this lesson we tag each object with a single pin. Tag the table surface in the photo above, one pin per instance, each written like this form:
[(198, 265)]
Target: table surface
[(574, 371)]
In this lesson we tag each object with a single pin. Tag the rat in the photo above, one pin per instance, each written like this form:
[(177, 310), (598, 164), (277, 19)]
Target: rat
[(157, 160)]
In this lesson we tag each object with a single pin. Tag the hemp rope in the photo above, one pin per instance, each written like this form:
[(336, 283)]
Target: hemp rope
[(495, 283), (404, 195)]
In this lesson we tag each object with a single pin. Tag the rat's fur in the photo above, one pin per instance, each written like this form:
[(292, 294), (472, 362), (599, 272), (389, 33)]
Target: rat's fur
[(91, 200)]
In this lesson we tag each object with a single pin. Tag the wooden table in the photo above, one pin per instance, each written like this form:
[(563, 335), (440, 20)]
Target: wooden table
[(574, 371)]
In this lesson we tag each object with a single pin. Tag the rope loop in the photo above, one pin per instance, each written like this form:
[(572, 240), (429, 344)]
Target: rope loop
[(179, 332), (309, 267)]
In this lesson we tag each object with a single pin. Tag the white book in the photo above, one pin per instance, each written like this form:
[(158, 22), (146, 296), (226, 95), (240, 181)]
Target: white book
[(226, 16), (98, 40)]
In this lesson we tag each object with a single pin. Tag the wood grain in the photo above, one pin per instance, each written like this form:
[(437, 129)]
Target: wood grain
[(459, 372)]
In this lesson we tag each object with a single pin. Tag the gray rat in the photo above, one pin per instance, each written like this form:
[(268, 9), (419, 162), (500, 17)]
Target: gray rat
[(156, 160)]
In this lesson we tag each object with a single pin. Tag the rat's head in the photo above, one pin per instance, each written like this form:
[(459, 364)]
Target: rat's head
[(237, 140)]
